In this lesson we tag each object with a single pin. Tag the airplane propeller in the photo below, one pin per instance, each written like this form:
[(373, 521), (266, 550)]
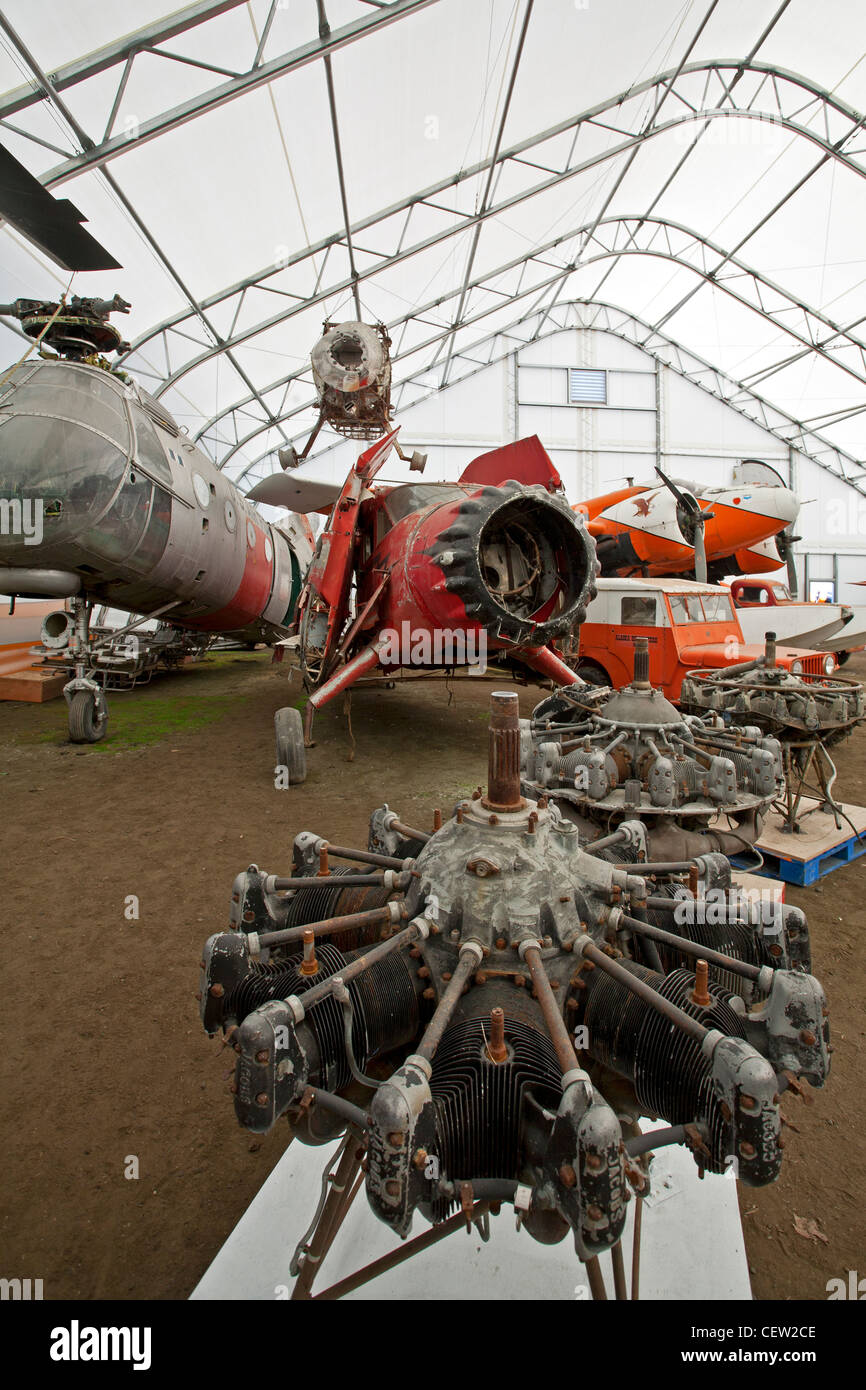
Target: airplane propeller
[(692, 520), (785, 545)]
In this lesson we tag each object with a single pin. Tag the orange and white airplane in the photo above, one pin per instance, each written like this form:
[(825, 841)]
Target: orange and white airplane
[(672, 528)]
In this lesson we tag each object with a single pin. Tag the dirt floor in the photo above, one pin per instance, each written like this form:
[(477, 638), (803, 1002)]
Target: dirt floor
[(104, 1058)]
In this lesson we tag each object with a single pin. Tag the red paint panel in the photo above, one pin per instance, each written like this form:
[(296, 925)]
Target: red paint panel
[(251, 596), (526, 461)]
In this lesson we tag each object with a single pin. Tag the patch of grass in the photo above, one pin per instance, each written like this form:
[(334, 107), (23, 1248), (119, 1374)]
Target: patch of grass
[(148, 719)]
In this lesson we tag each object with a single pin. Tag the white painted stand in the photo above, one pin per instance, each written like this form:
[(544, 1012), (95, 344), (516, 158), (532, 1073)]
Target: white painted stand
[(691, 1245)]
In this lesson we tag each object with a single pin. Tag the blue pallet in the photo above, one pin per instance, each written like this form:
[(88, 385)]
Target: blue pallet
[(802, 872)]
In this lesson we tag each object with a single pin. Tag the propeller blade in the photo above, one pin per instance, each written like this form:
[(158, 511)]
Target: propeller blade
[(672, 487), (700, 555), (52, 224), (792, 575), (785, 546)]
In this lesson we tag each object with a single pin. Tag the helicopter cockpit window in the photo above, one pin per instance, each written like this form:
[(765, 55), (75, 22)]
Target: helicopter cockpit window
[(148, 449), (413, 497), (74, 470), (638, 611), (83, 395)]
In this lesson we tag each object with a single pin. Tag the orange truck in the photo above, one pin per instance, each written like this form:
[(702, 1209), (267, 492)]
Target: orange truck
[(688, 626)]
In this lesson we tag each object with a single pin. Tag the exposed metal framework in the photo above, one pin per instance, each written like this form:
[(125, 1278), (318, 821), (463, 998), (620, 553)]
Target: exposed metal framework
[(608, 318), (95, 155), (463, 328), (700, 92), (614, 237)]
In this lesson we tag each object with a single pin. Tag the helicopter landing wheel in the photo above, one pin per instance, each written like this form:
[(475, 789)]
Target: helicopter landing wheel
[(289, 742), (86, 723)]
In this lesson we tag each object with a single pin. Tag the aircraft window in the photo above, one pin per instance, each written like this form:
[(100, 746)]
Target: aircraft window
[(686, 608), (148, 448), (157, 411), (76, 395), (75, 471), (155, 539), (412, 497), (638, 612), (383, 525), (116, 535), (717, 608)]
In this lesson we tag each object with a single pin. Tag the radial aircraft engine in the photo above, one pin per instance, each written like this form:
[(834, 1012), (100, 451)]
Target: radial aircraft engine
[(488, 1013), (352, 375), (105, 500)]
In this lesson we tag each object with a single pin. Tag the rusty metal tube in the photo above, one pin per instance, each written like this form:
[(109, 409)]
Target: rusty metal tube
[(496, 1048), (408, 832), (366, 856), (503, 759), (339, 1200), (402, 1252), (635, 1249), (314, 996), (619, 1284), (467, 964), (677, 1016), (559, 1034), (596, 1280), (693, 948), (328, 926), (309, 881)]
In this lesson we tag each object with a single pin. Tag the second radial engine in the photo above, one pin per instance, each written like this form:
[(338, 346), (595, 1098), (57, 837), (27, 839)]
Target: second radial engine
[(606, 757)]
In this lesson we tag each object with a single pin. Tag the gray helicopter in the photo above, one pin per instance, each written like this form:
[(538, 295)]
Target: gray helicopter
[(104, 500)]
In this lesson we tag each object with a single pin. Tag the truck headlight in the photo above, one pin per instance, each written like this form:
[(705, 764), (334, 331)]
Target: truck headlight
[(796, 668), (829, 665)]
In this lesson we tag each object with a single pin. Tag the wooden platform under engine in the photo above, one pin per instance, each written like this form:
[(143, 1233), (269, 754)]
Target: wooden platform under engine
[(816, 848)]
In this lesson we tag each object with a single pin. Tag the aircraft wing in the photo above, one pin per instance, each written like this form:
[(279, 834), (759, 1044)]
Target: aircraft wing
[(296, 494)]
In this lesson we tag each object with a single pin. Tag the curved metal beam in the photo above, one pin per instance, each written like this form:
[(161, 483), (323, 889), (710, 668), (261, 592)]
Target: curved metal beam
[(785, 92), (613, 319), (95, 156), (665, 239)]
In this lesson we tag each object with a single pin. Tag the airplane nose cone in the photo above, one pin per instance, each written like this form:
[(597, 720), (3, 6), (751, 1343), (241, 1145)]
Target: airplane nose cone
[(789, 505), (779, 503), (57, 477)]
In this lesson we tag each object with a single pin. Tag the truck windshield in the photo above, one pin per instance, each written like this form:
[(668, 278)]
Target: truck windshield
[(717, 608), (686, 608)]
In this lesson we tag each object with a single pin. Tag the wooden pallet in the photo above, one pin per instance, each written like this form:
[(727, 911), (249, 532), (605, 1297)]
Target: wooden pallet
[(816, 850), (34, 685)]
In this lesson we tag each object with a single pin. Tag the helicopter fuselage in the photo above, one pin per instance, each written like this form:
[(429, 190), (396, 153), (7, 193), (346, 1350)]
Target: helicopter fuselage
[(130, 511)]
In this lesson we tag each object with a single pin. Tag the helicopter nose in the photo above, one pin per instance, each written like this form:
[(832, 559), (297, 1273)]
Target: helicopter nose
[(56, 479)]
